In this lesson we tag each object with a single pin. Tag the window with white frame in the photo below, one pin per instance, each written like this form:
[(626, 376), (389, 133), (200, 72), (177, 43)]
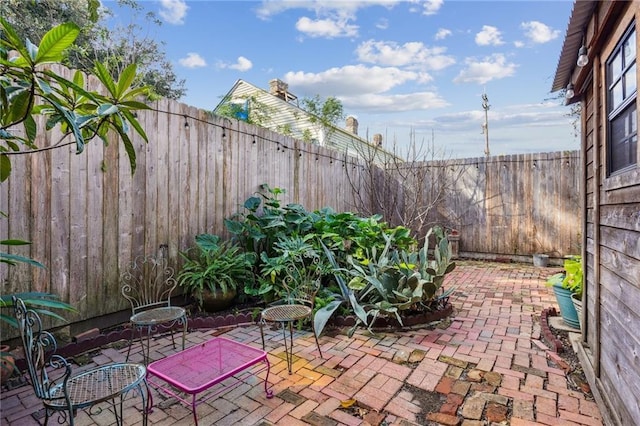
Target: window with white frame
[(622, 110)]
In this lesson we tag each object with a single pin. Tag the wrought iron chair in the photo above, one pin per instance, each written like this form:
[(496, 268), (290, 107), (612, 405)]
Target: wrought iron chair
[(298, 305), (148, 285), (63, 391)]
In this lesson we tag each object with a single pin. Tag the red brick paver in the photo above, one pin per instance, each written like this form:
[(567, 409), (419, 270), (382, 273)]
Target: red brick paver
[(486, 362)]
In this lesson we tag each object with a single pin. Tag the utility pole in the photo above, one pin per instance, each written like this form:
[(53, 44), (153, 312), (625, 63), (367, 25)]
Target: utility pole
[(485, 126)]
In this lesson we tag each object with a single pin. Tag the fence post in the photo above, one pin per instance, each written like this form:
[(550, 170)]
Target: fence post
[(454, 240)]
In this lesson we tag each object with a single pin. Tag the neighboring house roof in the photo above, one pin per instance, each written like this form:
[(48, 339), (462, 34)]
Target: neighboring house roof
[(573, 39), (286, 117)]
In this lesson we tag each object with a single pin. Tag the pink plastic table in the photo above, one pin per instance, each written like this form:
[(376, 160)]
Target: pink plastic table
[(200, 367)]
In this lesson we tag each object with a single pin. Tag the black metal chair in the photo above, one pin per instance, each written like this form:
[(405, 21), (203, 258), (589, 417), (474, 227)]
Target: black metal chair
[(297, 306), (64, 392), (148, 285)]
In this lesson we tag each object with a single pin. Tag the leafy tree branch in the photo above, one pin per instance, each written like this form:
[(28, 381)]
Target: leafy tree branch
[(28, 90)]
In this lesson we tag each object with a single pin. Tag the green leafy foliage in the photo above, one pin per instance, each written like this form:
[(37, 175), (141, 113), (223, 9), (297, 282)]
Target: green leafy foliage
[(116, 46), (27, 90), (41, 302), (248, 109), (214, 265), (346, 296), (391, 282), (13, 259), (265, 220), (296, 260), (277, 233), (325, 114), (573, 277)]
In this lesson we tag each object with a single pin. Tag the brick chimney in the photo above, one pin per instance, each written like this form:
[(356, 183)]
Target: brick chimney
[(377, 139), (279, 88), (352, 125)]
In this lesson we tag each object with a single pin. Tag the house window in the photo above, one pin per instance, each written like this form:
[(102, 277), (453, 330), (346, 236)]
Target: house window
[(622, 111)]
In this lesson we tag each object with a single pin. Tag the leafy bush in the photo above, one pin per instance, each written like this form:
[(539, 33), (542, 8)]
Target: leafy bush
[(214, 265), (392, 282), (573, 276), (387, 274), (264, 221)]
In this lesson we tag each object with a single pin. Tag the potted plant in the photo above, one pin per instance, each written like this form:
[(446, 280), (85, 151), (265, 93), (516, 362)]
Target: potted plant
[(573, 281), (7, 363), (567, 286), (212, 271)]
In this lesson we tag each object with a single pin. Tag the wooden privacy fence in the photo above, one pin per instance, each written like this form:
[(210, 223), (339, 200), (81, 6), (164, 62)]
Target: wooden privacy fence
[(510, 205), (87, 216)]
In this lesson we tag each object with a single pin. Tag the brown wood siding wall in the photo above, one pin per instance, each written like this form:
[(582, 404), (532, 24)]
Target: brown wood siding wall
[(612, 241), (88, 216)]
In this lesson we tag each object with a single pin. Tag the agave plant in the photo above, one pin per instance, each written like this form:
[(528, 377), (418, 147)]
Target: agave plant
[(392, 282), (423, 278)]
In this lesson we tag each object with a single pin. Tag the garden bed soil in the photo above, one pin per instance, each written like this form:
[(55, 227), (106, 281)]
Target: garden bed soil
[(569, 362)]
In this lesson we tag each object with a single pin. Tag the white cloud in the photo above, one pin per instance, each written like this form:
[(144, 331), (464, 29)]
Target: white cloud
[(493, 67), (268, 9), (431, 7), (414, 54), (382, 24), (242, 64), (173, 11), (442, 34), (538, 32), (193, 60), (329, 18), (363, 88), (518, 44), (489, 36), (350, 80), (415, 101), (328, 28)]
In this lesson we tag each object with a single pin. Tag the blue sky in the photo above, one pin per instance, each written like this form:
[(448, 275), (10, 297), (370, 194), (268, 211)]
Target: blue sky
[(397, 66)]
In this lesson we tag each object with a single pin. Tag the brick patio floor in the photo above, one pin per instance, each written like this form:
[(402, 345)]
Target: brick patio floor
[(486, 364)]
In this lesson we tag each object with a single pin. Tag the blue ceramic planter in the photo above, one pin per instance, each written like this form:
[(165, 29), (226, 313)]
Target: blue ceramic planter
[(567, 310)]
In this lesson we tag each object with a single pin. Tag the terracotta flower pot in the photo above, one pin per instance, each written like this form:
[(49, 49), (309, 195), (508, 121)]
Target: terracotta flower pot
[(217, 300), (7, 363)]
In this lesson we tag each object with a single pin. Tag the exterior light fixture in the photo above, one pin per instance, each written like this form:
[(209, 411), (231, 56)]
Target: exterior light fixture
[(570, 92), (583, 57)]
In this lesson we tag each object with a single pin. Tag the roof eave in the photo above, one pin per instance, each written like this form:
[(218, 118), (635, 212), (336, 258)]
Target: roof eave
[(580, 16)]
